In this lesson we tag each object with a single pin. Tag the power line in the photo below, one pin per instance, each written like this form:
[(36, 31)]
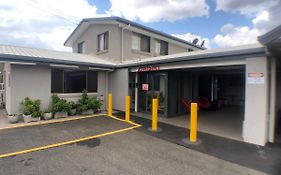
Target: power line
[(47, 10)]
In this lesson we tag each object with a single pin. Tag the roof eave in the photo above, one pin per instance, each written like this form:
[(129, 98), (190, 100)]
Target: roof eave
[(270, 36), (125, 21), (233, 54), (18, 58)]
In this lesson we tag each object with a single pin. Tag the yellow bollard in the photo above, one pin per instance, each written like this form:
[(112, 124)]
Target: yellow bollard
[(193, 123), (109, 110), (127, 115), (154, 114)]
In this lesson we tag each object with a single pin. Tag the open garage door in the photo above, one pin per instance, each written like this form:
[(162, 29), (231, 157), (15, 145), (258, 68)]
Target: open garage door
[(220, 93)]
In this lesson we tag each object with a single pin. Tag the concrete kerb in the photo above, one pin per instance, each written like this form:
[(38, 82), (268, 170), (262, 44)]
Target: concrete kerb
[(51, 121), (70, 141)]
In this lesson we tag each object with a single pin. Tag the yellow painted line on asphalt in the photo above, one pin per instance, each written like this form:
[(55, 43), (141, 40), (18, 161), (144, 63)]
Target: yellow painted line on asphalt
[(133, 123), (51, 121), (67, 142)]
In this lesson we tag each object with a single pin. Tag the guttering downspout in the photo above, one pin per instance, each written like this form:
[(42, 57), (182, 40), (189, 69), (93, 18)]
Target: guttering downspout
[(122, 41)]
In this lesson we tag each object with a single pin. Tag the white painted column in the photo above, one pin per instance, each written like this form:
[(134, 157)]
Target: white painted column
[(272, 108), (255, 125)]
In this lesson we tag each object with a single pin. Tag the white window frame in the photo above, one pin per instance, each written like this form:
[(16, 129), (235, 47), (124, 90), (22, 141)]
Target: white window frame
[(102, 42), (83, 47)]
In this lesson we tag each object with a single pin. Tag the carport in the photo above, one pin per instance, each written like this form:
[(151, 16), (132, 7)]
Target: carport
[(230, 79), (222, 89)]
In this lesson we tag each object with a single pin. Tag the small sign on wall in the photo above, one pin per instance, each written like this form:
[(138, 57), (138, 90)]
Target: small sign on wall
[(255, 78), (148, 69), (145, 87)]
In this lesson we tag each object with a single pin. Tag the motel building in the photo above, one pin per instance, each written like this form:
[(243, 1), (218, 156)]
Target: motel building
[(238, 88)]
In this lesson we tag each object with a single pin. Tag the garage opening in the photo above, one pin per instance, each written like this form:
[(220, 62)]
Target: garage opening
[(220, 94)]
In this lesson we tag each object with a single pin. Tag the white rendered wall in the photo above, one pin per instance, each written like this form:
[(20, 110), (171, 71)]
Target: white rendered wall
[(119, 87), (7, 72), (255, 125), (29, 81)]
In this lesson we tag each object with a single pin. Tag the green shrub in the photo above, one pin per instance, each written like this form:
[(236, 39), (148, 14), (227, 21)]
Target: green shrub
[(86, 103), (73, 105), (60, 105), (31, 107)]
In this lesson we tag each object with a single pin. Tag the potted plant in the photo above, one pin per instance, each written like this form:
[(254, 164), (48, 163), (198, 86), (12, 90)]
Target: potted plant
[(73, 107), (13, 118), (36, 116), (31, 110), (47, 115), (84, 104), (60, 107), (95, 104)]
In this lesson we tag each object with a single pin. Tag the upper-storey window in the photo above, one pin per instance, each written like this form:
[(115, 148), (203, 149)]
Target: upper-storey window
[(161, 47), (103, 41), (140, 42), (80, 47)]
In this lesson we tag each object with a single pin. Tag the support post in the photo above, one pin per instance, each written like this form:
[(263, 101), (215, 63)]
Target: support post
[(109, 107), (193, 123), (127, 115), (154, 114)]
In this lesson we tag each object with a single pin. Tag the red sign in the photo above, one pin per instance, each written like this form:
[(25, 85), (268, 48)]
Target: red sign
[(145, 87), (256, 74), (148, 68)]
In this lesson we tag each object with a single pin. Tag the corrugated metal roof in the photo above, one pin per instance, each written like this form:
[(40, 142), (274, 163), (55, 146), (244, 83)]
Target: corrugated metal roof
[(16, 53), (252, 49), (8, 52)]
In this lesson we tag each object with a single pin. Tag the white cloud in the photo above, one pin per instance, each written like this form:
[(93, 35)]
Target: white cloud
[(190, 37), (41, 23), (159, 10), (234, 36), (244, 7), (265, 16)]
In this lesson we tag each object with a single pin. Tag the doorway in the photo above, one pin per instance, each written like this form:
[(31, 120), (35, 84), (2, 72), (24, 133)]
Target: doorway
[(152, 85)]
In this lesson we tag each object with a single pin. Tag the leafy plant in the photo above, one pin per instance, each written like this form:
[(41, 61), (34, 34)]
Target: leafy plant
[(86, 103), (31, 107), (60, 105), (73, 105)]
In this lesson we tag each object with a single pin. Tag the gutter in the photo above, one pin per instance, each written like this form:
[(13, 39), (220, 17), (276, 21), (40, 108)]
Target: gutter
[(44, 61), (233, 54)]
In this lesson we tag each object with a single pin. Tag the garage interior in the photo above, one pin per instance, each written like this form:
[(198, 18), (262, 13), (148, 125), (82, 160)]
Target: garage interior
[(221, 90)]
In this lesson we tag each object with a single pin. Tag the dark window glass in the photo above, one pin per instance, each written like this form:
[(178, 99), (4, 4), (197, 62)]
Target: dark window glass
[(189, 50), (92, 82), (57, 79), (72, 81), (80, 47), (145, 43), (103, 41), (163, 48)]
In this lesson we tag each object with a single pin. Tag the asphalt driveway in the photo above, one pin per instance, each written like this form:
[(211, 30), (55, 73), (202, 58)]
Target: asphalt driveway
[(129, 152), (23, 138)]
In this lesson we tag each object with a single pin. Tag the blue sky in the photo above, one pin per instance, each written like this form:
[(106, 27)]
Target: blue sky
[(221, 23)]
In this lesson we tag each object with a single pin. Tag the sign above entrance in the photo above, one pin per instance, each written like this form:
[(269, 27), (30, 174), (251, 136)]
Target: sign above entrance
[(145, 87), (148, 69), (255, 78)]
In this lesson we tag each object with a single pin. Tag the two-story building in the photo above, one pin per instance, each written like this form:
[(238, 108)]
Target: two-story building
[(237, 87), (119, 40)]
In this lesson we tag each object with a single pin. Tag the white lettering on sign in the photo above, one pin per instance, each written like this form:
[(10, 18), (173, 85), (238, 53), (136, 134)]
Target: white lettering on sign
[(148, 68), (145, 87), (255, 78)]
